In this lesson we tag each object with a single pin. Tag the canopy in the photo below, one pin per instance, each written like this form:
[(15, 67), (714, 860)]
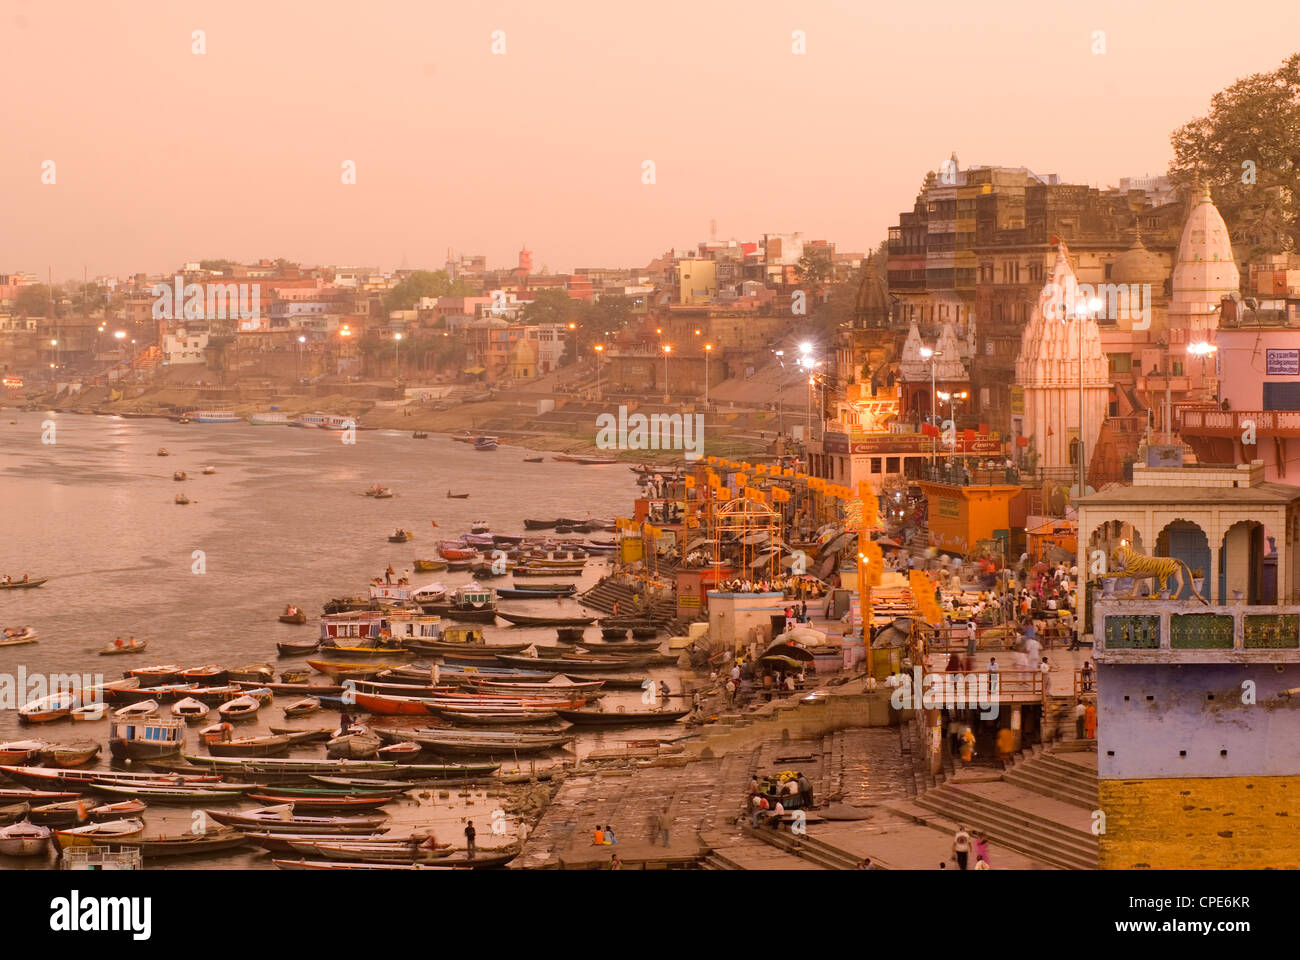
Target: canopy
[(787, 651), (782, 659), (475, 370)]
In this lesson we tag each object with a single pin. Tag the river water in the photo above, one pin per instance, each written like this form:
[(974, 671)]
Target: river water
[(282, 520)]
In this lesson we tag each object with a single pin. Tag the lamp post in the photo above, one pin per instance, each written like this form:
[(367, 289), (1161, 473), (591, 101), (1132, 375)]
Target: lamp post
[(54, 344), (930, 354), (297, 367), (708, 349), (600, 351), (397, 360), (668, 348)]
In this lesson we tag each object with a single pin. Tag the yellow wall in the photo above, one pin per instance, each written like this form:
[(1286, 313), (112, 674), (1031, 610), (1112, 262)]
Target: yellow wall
[(697, 275), (1210, 823)]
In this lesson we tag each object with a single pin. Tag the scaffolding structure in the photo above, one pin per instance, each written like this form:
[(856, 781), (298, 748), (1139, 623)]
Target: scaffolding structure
[(752, 527)]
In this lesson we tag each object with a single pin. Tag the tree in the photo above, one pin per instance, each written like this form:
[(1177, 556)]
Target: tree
[(420, 284), (33, 300), (217, 265), (814, 268), (1248, 149)]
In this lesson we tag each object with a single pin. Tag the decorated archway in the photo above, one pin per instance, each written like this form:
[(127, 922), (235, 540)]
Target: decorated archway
[(1187, 542)]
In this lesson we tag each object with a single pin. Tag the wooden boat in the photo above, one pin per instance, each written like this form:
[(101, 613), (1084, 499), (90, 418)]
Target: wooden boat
[(502, 718), (20, 751), (12, 812), (292, 648), (240, 708), (37, 796), (23, 584), (350, 671), (523, 593), (267, 746), (182, 500), (89, 713), (69, 754), (178, 794), (57, 706), (353, 746), (485, 443), (284, 819), (110, 830), (215, 696), (24, 840), (585, 461), (402, 752), (401, 536), (168, 693), (595, 664), (146, 739), (543, 570), (539, 524), (141, 710), (299, 737), (292, 764), (457, 496), (294, 676), (118, 810), (190, 710), (404, 854), (252, 673), (525, 620), (335, 865), (311, 689), (344, 802), (156, 674), (17, 636), (390, 705), (180, 475), (620, 647), (534, 459), (419, 435), (209, 470), (178, 845), (556, 686), (64, 813), (302, 708), (163, 452), (429, 566), (594, 718), (128, 646), (479, 742), (374, 649), (296, 617)]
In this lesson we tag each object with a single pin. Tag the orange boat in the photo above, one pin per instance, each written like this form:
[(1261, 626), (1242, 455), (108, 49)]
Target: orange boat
[(391, 706)]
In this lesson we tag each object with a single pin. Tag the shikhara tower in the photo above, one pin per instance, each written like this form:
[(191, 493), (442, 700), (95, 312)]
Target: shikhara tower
[(1061, 356)]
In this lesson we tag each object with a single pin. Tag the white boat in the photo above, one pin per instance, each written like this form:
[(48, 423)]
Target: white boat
[(56, 706), (269, 419), (209, 470), (20, 751), (323, 421), (239, 707), (137, 711), (24, 839), (90, 712), (111, 830), (216, 416), (190, 709)]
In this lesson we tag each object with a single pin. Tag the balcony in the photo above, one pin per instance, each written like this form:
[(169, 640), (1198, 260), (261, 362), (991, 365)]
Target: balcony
[(1233, 423)]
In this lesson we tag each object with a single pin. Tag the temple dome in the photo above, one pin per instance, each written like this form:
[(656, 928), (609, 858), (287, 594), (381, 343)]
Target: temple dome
[(1137, 264)]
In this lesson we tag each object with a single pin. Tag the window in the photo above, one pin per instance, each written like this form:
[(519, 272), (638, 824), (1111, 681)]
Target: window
[(1120, 363), (1282, 396)]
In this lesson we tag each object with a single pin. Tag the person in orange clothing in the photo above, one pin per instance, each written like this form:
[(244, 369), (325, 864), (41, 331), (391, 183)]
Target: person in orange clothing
[(1090, 722)]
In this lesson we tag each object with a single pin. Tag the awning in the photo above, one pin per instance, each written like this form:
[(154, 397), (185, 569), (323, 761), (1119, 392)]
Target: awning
[(787, 650), (475, 371)]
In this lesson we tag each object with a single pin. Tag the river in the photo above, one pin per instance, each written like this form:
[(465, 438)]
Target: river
[(87, 502)]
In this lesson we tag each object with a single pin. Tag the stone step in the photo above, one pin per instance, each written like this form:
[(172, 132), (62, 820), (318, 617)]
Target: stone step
[(1029, 834), (804, 847), (1066, 770), (1048, 786)]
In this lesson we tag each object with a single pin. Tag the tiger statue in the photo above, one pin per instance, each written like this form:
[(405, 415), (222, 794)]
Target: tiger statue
[(1127, 562)]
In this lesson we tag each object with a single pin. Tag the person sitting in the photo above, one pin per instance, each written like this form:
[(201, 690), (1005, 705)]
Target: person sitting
[(609, 834), (598, 836), (118, 642)]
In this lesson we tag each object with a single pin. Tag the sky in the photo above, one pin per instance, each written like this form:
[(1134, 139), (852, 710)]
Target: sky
[(162, 155)]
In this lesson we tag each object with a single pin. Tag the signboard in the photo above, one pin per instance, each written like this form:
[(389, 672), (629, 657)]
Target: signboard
[(1282, 363), (1017, 400), (899, 443), (1162, 455), (949, 508)]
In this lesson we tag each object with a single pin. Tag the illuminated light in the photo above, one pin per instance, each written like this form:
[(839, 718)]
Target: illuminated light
[(302, 339), (54, 343), (927, 353), (708, 346), (599, 348), (668, 348), (119, 334), (397, 336)]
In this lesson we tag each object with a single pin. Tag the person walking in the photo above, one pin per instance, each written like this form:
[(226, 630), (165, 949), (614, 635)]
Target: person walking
[(1080, 715), (470, 834), (665, 824), (961, 847)]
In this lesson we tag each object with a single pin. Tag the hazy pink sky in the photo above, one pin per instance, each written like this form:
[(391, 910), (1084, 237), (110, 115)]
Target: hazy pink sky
[(164, 156)]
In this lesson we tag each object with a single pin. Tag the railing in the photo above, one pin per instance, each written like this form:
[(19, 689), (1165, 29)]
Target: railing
[(1021, 686), (1084, 684), (1235, 422)]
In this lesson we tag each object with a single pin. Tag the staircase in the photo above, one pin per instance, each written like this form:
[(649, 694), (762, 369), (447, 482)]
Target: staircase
[(1034, 836), (805, 848), (1056, 778), (603, 595)]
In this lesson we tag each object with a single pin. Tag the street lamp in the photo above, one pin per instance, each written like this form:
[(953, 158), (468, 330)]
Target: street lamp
[(1202, 349), (668, 348), (600, 350), (929, 354), (397, 360), (297, 367), (708, 349)]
